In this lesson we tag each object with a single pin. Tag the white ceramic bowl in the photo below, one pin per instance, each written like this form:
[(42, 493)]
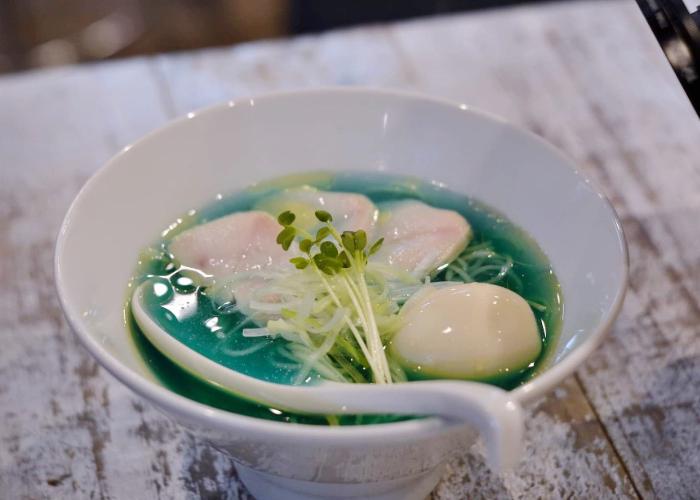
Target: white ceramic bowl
[(222, 149)]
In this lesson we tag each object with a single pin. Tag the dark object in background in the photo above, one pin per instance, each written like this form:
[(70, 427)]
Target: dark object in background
[(678, 32), (35, 33), (319, 15)]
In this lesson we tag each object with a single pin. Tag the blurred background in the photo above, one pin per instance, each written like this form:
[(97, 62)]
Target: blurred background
[(37, 33)]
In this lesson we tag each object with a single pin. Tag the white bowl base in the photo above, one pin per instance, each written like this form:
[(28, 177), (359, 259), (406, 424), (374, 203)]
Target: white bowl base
[(270, 487)]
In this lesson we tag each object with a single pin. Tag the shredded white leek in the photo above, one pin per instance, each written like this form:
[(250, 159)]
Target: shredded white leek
[(336, 312)]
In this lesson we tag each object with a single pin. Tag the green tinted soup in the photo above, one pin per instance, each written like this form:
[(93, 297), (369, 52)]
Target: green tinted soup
[(182, 307)]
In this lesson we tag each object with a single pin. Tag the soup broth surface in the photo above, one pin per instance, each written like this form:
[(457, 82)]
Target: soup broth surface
[(178, 300)]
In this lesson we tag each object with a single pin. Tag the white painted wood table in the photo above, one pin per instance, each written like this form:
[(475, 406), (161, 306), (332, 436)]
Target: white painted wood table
[(588, 76)]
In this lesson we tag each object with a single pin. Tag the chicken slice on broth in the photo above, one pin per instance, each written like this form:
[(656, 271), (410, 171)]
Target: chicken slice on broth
[(239, 251), (418, 238), (241, 242), (350, 211)]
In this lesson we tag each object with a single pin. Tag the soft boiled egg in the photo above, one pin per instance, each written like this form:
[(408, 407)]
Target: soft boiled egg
[(467, 331)]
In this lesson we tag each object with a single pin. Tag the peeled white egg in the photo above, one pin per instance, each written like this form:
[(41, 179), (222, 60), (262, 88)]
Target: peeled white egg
[(467, 331)]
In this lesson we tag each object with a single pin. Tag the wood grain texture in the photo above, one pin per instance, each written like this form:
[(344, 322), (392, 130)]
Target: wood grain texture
[(587, 76)]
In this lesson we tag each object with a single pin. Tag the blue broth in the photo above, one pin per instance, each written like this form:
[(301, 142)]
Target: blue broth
[(184, 310)]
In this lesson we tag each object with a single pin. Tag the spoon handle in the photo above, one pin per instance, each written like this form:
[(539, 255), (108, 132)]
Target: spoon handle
[(489, 410)]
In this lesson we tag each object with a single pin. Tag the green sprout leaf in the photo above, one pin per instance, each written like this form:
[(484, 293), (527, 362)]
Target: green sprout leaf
[(348, 241), (329, 249), (360, 239), (344, 260), (327, 264), (323, 216), (286, 236), (299, 262), (323, 233), (376, 246), (305, 245), (286, 218)]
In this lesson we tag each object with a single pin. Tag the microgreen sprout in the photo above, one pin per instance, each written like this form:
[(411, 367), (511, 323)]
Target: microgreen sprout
[(349, 302)]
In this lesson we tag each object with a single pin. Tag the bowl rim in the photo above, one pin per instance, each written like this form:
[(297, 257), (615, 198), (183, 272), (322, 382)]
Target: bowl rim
[(193, 410)]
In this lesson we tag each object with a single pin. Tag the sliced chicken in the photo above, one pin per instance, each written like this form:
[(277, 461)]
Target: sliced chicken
[(240, 252), (350, 211), (240, 242), (418, 238)]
